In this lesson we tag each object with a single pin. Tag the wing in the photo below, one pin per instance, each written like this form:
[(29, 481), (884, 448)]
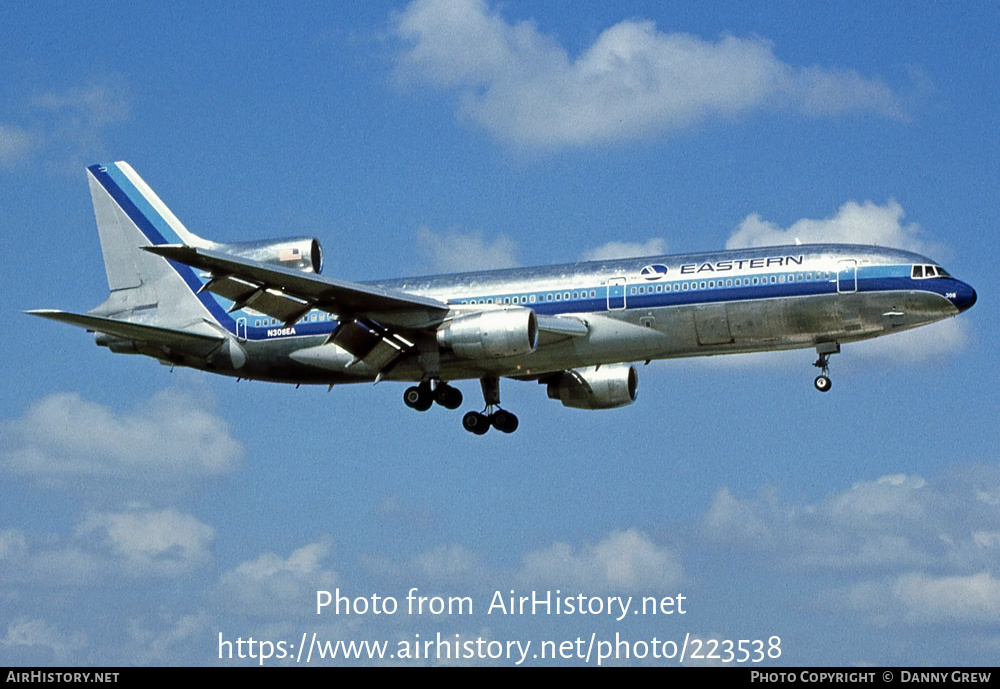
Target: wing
[(287, 294), (376, 325)]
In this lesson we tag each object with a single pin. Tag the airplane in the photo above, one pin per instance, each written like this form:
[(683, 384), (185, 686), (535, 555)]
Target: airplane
[(260, 310)]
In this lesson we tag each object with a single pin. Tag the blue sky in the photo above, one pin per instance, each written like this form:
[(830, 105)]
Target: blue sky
[(144, 512)]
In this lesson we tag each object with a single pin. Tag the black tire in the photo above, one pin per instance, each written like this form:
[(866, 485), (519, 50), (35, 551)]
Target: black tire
[(474, 422), (822, 383), (417, 398), (448, 397), (504, 421)]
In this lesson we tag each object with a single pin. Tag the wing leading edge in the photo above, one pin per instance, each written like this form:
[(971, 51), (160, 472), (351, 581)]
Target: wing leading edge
[(287, 294)]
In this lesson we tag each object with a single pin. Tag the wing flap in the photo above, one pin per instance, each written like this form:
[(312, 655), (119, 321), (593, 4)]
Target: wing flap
[(378, 348)]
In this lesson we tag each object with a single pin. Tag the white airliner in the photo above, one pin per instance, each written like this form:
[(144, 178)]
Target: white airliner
[(260, 310)]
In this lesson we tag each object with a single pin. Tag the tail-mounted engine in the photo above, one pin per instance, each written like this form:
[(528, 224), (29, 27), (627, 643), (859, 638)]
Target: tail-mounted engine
[(602, 387), (491, 334), (298, 253)]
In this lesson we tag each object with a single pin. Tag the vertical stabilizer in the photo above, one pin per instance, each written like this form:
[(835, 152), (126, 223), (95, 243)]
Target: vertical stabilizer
[(144, 287)]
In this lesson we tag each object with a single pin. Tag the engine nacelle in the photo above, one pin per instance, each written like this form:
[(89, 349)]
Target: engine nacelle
[(491, 334), (603, 387), (298, 253)]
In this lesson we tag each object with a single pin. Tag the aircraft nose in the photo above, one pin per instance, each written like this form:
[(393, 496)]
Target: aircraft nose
[(965, 297)]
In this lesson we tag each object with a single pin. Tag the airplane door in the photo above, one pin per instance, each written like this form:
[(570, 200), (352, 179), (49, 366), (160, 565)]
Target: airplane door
[(616, 294), (847, 276), (241, 329)]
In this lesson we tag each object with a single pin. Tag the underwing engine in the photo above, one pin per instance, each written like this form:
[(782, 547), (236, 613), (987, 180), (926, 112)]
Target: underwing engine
[(491, 334), (601, 387)]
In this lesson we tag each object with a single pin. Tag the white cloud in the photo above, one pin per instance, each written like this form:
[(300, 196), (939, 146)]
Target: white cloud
[(624, 561), (173, 642), (66, 128), (854, 223), (27, 633), (15, 145), (148, 542), (521, 84), (136, 543), (454, 251), (273, 586), (920, 598), (64, 438), (895, 522), (613, 250)]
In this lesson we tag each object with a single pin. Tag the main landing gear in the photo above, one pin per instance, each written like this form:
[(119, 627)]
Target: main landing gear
[(824, 350), (492, 415), (422, 396)]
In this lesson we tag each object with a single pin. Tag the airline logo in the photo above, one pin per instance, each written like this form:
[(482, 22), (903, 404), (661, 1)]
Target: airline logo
[(654, 271)]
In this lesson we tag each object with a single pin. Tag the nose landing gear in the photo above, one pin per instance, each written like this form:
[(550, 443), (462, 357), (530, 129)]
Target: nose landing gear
[(825, 350)]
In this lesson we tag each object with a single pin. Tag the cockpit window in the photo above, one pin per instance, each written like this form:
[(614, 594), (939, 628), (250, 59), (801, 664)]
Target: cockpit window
[(921, 272)]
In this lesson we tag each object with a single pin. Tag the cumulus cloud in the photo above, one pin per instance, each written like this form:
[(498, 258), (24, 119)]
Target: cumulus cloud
[(521, 84), (895, 523), (25, 633), (920, 598), (271, 585), (853, 223), (454, 251), (64, 438), (624, 561), (135, 543), (613, 250), (150, 542)]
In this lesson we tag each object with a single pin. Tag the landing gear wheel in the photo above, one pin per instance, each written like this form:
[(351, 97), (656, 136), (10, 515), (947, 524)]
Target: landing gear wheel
[(477, 423), (447, 396), (418, 397), (825, 351), (504, 421)]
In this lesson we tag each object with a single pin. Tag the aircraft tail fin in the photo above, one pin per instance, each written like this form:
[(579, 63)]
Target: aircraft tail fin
[(144, 287)]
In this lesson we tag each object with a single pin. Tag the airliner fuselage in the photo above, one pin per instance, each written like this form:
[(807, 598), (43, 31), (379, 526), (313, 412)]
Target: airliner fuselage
[(260, 310)]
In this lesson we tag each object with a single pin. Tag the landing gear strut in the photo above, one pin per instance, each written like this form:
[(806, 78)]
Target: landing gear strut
[(824, 350), (492, 415)]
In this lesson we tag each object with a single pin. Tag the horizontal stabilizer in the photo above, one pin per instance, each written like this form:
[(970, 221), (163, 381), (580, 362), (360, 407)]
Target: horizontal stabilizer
[(194, 343)]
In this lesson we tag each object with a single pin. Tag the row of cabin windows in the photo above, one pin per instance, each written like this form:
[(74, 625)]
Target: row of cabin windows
[(532, 298), (731, 282), (660, 288), (308, 318)]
